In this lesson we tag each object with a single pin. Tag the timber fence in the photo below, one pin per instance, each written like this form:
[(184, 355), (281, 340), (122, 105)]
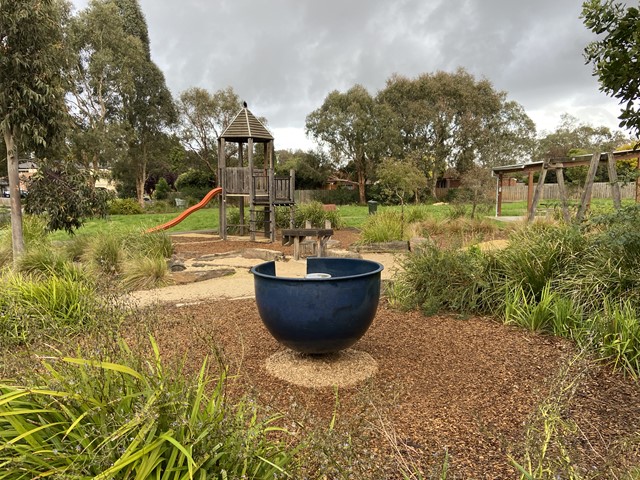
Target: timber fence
[(518, 193)]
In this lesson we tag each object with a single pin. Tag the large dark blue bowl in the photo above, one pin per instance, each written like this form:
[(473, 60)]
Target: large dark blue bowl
[(319, 315)]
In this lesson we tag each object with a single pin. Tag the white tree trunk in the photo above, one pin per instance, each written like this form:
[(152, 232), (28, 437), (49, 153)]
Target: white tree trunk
[(17, 237)]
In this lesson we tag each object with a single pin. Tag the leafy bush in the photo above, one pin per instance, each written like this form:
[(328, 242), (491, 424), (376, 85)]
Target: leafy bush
[(195, 183), (341, 196), (550, 278), (127, 418), (62, 193), (537, 255), (124, 206), (162, 190), (433, 279), (316, 214)]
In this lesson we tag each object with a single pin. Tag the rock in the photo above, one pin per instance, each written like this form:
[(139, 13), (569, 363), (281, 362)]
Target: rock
[(262, 254), (176, 264), (395, 246), (335, 253)]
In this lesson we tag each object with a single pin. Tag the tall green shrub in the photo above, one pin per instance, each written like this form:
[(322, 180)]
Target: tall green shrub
[(129, 417)]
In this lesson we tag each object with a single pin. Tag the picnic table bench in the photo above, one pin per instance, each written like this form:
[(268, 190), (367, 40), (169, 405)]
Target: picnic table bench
[(295, 235)]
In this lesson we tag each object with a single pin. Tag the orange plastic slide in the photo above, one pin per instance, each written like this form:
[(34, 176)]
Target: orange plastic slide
[(187, 212)]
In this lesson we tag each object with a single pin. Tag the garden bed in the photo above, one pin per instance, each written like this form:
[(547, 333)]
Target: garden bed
[(468, 387), (467, 392)]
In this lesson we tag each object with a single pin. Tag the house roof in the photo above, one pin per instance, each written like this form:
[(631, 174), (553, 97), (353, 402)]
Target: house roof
[(244, 126)]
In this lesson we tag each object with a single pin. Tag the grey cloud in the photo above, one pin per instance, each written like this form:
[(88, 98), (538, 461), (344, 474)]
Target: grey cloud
[(285, 56)]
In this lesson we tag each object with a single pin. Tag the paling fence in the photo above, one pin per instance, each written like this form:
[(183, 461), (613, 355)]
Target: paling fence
[(518, 193)]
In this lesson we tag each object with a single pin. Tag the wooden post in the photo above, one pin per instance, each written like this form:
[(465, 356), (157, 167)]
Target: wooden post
[(530, 191), (252, 193), (499, 196), (241, 212), (613, 180), (563, 194), (292, 197), (538, 193), (271, 233), (588, 187), (222, 183)]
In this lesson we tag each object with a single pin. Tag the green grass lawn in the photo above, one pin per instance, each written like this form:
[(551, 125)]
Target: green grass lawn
[(204, 219), (352, 215)]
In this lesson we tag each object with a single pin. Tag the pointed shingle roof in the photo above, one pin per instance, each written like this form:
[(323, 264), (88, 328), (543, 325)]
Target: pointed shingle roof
[(244, 126)]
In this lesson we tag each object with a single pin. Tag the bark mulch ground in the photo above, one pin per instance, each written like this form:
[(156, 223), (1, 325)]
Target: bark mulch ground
[(469, 387)]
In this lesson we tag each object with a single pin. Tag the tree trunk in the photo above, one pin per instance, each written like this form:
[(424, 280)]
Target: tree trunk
[(17, 237), (141, 176), (95, 173), (361, 187)]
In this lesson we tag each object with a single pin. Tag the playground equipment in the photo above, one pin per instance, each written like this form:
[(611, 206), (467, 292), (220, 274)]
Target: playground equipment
[(327, 311), (259, 186), (559, 165), (207, 198)]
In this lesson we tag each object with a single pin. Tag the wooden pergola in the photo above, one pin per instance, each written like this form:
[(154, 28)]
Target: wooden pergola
[(559, 164)]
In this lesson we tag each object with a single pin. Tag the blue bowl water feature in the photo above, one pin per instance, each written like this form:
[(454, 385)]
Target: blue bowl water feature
[(327, 311)]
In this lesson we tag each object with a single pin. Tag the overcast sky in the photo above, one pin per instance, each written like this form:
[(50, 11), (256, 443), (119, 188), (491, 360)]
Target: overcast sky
[(284, 56)]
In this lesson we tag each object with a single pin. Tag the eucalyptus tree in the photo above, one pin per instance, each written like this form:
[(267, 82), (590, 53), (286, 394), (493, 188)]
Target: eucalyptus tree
[(572, 135), (452, 120), (31, 89), (103, 61), (355, 127), (203, 117), (148, 106)]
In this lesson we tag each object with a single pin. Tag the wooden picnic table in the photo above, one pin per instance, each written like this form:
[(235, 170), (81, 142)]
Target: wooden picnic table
[(295, 235)]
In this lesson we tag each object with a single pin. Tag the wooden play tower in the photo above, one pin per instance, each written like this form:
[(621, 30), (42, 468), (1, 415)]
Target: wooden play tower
[(245, 183)]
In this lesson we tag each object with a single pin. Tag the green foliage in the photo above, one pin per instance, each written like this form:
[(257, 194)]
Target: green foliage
[(537, 255), (162, 189), (400, 179), (62, 193), (340, 196), (124, 206), (385, 226), (549, 278), (34, 232), (315, 213), (57, 304), (312, 168), (195, 183), (144, 273), (122, 417), (618, 336), (614, 55), (203, 117), (108, 254), (45, 261), (355, 126), (31, 93), (450, 280)]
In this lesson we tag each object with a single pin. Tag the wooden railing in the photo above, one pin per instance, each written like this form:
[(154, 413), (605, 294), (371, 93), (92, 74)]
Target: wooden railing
[(238, 183)]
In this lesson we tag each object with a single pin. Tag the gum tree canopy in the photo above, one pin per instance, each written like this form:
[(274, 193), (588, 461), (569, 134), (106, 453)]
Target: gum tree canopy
[(31, 95), (615, 54)]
